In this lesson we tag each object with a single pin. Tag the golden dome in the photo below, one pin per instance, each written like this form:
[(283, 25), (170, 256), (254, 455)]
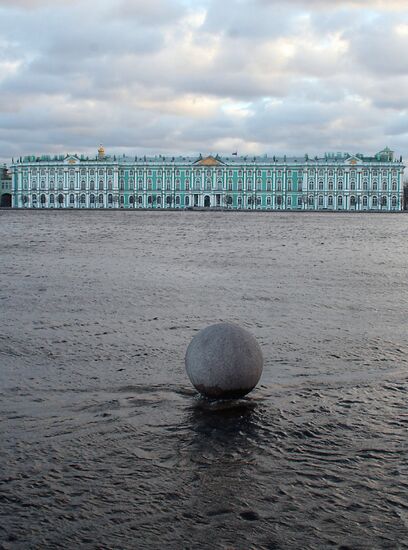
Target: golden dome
[(101, 150)]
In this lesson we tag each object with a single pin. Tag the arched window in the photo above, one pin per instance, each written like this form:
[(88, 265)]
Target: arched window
[(178, 201), (365, 201), (100, 199), (320, 201), (122, 200), (158, 200), (42, 200), (52, 199), (330, 200), (92, 185), (310, 200), (131, 200), (149, 199), (352, 200), (384, 201), (83, 185), (110, 198), (100, 185), (110, 186), (140, 200), (83, 199), (268, 201), (71, 199), (168, 200), (394, 201), (375, 202), (394, 185), (187, 201), (60, 199), (92, 199), (384, 185), (340, 201)]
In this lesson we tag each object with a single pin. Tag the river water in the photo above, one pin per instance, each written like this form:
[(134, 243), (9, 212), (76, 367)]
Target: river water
[(105, 444)]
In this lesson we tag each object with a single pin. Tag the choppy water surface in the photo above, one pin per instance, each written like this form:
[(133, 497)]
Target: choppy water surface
[(105, 444)]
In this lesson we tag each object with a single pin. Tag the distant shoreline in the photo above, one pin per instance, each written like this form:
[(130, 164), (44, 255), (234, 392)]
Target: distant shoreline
[(205, 210)]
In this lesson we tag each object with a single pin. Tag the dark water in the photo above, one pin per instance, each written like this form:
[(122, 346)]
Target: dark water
[(104, 444)]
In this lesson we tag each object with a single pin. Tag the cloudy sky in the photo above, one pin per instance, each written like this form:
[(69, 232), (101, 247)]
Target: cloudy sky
[(190, 76)]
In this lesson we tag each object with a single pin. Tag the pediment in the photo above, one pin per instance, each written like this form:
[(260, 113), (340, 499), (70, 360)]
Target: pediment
[(209, 161), (71, 159), (353, 160)]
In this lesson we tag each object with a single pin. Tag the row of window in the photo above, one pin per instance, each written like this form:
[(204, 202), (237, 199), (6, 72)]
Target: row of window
[(209, 172), (310, 200)]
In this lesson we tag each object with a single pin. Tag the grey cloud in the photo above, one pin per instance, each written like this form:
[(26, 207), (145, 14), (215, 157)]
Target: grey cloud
[(185, 76)]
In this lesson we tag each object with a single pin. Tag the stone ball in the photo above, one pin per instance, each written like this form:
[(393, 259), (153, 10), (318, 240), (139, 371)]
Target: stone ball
[(224, 361)]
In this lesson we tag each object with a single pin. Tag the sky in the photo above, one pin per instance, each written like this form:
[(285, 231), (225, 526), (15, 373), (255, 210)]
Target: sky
[(203, 76)]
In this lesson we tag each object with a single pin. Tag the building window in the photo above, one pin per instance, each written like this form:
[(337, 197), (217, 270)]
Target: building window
[(299, 201), (394, 202), (353, 201), (71, 199), (375, 201), (100, 199), (289, 201), (83, 186), (51, 199), (340, 201), (187, 201), (330, 200), (83, 199), (310, 200), (365, 201), (384, 201), (92, 199), (320, 200), (110, 198)]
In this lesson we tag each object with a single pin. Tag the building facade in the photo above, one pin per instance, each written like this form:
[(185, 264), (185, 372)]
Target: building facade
[(6, 198), (337, 181)]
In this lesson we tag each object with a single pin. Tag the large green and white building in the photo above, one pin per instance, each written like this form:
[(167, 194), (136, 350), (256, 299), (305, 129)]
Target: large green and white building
[(337, 181)]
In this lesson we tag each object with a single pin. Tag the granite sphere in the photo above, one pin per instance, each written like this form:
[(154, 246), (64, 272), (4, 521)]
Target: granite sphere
[(224, 361)]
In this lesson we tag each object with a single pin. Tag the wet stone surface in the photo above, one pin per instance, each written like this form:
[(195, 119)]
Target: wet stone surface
[(224, 361), (104, 443)]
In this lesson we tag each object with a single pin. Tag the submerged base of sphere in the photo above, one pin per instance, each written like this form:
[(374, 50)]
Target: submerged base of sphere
[(224, 361)]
